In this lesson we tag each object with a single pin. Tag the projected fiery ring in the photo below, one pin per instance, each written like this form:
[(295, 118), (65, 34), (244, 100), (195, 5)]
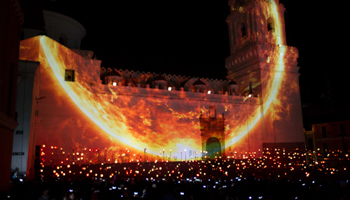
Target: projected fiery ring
[(85, 114)]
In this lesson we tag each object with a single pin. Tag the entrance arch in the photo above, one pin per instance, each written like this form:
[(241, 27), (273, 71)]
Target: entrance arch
[(213, 147)]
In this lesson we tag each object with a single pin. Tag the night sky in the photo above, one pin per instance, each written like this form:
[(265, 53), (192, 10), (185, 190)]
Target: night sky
[(190, 37)]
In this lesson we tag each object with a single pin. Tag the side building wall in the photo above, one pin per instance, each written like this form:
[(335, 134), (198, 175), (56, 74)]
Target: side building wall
[(11, 19), (332, 136)]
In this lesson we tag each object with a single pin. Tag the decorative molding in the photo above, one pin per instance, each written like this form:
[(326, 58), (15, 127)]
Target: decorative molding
[(176, 95), (265, 53), (145, 76)]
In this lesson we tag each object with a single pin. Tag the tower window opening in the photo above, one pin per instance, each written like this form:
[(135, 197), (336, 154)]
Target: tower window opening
[(243, 30), (270, 25)]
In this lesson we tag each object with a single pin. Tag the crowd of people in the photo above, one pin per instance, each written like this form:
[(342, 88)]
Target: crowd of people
[(273, 177), (248, 187)]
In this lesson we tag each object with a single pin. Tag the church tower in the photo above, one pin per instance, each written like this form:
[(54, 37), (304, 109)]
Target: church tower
[(263, 65)]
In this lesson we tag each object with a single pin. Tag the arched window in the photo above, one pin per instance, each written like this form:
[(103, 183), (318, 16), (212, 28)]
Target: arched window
[(270, 24), (243, 30)]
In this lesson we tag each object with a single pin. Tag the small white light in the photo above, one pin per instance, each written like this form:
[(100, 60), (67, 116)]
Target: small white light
[(250, 95), (114, 83), (169, 88), (209, 92)]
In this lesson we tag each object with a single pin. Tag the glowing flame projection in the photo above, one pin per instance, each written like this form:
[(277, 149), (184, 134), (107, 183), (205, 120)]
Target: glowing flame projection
[(274, 79), (132, 117)]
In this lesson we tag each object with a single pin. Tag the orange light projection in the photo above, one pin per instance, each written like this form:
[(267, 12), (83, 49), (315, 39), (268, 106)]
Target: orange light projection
[(120, 120)]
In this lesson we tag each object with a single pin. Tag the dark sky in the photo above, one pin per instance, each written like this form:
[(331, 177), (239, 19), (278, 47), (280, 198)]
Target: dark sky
[(182, 37), (189, 37)]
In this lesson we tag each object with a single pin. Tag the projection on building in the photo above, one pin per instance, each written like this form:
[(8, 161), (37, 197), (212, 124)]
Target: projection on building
[(85, 119)]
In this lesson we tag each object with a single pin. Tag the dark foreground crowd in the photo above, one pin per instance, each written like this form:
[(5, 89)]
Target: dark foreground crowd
[(269, 178), (234, 188)]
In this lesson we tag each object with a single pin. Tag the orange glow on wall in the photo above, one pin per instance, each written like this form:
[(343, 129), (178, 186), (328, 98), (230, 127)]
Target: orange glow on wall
[(86, 114)]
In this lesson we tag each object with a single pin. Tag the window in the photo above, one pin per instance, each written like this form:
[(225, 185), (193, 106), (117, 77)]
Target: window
[(324, 132), (243, 30), (270, 25), (69, 75)]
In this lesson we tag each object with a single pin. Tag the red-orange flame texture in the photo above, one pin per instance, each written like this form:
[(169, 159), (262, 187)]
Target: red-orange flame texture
[(86, 114)]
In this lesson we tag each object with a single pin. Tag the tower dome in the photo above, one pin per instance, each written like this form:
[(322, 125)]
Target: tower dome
[(160, 82), (232, 88), (159, 78), (112, 73), (198, 86), (111, 77)]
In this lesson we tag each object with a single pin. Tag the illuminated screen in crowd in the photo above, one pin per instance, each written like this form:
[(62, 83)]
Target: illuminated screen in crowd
[(121, 123)]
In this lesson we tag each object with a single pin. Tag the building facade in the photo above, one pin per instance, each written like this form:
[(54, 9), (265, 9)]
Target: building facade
[(330, 136), (11, 19), (262, 63), (104, 114), (67, 32)]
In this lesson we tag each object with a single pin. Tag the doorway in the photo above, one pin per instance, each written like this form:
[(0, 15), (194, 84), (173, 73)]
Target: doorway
[(213, 148)]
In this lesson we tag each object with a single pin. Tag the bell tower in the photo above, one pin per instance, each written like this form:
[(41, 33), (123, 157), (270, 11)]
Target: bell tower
[(263, 65), (254, 37)]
